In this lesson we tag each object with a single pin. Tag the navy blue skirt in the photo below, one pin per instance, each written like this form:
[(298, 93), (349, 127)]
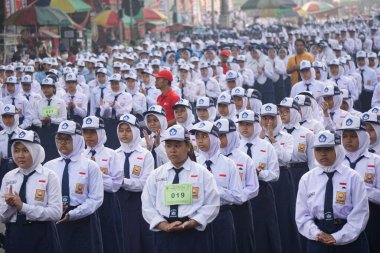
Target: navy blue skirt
[(83, 235), (267, 91), (245, 235), (285, 204), (5, 167), (223, 231), (137, 236), (267, 236), (111, 128), (358, 246), (32, 238), (111, 224), (373, 229), (279, 90), (47, 135), (297, 171), (189, 241)]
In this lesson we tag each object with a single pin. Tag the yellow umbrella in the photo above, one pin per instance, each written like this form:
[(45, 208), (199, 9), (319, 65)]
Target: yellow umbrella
[(70, 6)]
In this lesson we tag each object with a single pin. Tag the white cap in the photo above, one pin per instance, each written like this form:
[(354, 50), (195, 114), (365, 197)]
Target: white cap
[(125, 67), (224, 98), (29, 69), (93, 122), (346, 94), (140, 65), (203, 65), (206, 127), (28, 136), (238, 91), (253, 93), (182, 102), (116, 64), (241, 58), (269, 109), (131, 75), (69, 127), (155, 62), (361, 54), (371, 118), (48, 81), (305, 65), (8, 109), (175, 133), (352, 123), (334, 62), (372, 55), (71, 77), (11, 79), (290, 103), (330, 89), (99, 65), (67, 70), (231, 75), (129, 119), (102, 70), (9, 68), (225, 126), (302, 100), (184, 67), (326, 139), (194, 59), (26, 79), (248, 116), (46, 60), (155, 109), (204, 102), (115, 77)]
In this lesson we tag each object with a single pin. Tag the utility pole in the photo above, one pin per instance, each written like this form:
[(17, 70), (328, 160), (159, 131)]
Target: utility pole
[(120, 15), (131, 21), (212, 15)]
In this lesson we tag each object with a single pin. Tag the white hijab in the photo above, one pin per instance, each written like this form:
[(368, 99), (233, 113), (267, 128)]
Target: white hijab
[(233, 141), (12, 128), (339, 151), (295, 118), (364, 141), (256, 131), (37, 152), (78, 147), (377, 130), (131, 146), (188, 124), (162, 119), (214, 147)]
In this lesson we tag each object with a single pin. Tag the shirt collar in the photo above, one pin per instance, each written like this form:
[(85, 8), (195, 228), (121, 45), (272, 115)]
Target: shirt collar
[(187, 165)]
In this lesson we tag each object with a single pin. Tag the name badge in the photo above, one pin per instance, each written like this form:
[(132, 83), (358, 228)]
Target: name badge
[(40, 195), (340, 198), (49, 111), (178, 194)]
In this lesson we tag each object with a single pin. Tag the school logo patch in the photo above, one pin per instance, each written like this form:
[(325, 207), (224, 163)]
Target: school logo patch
[(369, 178), (195, 192), (268, 108), (201, 125), (173, 132), (218, 125), (88, 121), (244, 115), (349, 122), (65, 126), (223, 97), (365, 116), (340, 198), (21, 134), (6, 109), (326, 90), (79, 188), (296, 99), (301, 147), (284, 101), (322, 138), (152, 108), (39, 195), (237, 91), (104, 170), (201, 101), (136, 170), (375, 110), (126, 118)]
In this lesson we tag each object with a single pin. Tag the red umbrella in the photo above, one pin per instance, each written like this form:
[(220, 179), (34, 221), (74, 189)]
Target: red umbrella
[(150, 14)]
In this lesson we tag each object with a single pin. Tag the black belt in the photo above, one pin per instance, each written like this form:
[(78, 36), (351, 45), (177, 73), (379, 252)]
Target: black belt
[(183, 219), (30, 222), (330, 226), (298, 165), (283, 167), (224, 208)]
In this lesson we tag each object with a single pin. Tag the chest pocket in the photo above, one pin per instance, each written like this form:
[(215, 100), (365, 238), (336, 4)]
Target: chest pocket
[(222, 179), (370, 175), (136, 166), (81, 182), (104, 166), (39, 191)]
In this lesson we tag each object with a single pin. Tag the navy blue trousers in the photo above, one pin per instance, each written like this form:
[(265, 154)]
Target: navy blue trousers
[(111, 224), (264, 213), (223, 231), (267, 91), (373, 229), (137, 236), (112, 139), (32, 238), (243, 221)]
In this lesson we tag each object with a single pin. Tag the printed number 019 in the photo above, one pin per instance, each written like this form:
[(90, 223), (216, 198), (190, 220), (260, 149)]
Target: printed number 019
[(182, 195)]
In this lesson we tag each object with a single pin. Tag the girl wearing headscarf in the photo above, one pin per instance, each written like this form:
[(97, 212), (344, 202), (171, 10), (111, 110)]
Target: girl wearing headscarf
[(348, 103), (254, 100), (148, 87), (332, 114), (279, 69), (205, 109), (211, 84), (95, 137), (228, 182), (242, 214), (337, 76), (82, 192), (307, 116), (31, 200), (355, 140), (155, 120), (240, 99), (138, 163), (138, 99), (283, 55), (373, 128), (265, 161), (284, 190), (226, 106), (9, 118), (331, 209), (183, 114), (180, 225)]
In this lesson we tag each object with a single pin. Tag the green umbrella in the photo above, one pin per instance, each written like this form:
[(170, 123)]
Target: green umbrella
[(127, 20), (70, 6)]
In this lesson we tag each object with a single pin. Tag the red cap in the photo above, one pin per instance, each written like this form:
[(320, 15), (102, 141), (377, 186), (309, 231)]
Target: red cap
[(225, 53), (166, 74)]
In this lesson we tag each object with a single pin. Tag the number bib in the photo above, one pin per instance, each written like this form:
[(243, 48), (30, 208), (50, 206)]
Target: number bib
[(49, 111), (178, 194)]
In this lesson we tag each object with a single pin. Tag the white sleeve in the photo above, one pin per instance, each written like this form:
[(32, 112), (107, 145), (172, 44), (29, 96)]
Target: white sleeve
[(137, 184), (6, 212)]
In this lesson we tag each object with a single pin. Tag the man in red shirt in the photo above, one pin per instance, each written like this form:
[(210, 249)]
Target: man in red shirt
[(168, 97), (224, 55)]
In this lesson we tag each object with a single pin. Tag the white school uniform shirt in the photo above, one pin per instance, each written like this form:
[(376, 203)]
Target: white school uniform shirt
[(376, 96), (141, 164), (303, 151), (152, 94), (80, 100), (161, 155), (34, 98), (315, 87), (205, 194), (265, 157), (347, 83), (370, 78), (248, 77), (22, 104), (95, 96), (369, 170), (4, 142), (123, 104), (139, 103), (212, 88), (188, 91), (336, 121), (112, 173), (278, 67), (313, 125), (227, 178), (283, 146), (247, 172), (56, 119), (43, 196), (86, 184), (351, 204)]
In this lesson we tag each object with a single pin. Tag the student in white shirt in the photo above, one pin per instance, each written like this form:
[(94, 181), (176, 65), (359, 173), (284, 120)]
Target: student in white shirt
[(308, 119), (238, 94), (138, 163), (205, 109), (180, 225), (228, 181), (242, 214), (183, 114), (372, 122), (226, 107), (27, 91), (355, 141), (31, 200), (138, 99), (254, 100), (332, 209), (76, 101), (82, 192)]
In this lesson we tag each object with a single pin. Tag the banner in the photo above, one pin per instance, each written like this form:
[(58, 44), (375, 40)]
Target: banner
[(12, 6)]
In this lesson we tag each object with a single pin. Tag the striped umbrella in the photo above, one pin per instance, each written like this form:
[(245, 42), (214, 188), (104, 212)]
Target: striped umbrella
[(315, 7)]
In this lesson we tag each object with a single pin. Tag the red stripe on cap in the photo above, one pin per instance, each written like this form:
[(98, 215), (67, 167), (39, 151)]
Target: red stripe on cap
[(194, 175), (239, 164), (139, 158), (342, 183), (371, 166), (42, 181), (262, 150), (82, 173), (222, 175)]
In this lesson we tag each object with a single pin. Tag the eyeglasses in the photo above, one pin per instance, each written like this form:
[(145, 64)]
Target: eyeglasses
[(284, 112), (63, 140)]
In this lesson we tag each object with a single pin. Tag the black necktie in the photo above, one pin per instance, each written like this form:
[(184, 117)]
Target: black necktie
[(362, 75), (208, 165), (102, 92), (13, 100), (307, 86), (93, 152), (126, 164), (66, 184), (336, 80), (10, 146), (249, 150), (302, 122), (290, 131), (71, 112), (353, 164), (113, 108), (371, 150), (27, 96), (49, 101), (332, 115), (21, 218), (329, 194), (174, 208), (154, 154)]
